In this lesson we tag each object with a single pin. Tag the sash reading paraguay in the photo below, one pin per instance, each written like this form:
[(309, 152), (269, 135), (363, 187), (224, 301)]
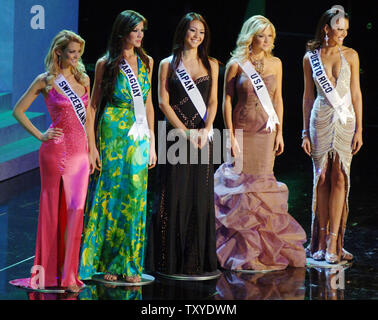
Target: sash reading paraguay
[(262, 93), (140, 126), (339, 104), (75, 100), (193, 93)]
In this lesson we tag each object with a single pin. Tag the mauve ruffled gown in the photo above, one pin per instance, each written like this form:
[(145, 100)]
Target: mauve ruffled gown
[(64, 169), (254, 229)]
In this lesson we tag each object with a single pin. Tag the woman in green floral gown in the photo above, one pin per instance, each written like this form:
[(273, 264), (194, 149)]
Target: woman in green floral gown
[(115, 215)]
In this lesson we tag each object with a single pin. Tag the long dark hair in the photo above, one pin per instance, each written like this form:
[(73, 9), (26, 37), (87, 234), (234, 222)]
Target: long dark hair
[(179, 39), (125, 22), (325, 19)]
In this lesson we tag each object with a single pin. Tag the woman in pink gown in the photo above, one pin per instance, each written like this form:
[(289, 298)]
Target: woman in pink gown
[(254, 229), (64, 165)]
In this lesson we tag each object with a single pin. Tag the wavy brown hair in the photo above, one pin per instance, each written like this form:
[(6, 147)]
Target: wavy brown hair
[(125, 22), (324, 20)]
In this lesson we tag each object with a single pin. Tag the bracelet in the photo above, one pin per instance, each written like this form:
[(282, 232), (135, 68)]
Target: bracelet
[(304, 133)]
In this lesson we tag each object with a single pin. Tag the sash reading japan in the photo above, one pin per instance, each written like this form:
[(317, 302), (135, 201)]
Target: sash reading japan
[(76, 102), (262, 93), (339, 104), (140, 126), (193, 93)]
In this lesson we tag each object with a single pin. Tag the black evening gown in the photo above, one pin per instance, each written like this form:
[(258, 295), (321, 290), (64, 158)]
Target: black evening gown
[(182, 229)]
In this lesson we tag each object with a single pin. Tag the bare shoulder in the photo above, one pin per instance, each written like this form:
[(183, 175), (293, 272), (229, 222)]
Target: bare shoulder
[(165, 62), (350, 54), (151, 60), (232, 66), (40, 81), (275, 61), (101, 62), (214, 64), (87, 80)]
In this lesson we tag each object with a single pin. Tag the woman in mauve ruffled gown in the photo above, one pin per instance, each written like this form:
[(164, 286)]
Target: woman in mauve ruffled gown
[(254, 229)]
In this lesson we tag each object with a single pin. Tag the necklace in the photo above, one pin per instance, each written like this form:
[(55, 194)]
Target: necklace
[(258, 64)]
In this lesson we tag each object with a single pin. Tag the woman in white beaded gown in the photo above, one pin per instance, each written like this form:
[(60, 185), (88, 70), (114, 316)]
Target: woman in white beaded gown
[(332, 131)]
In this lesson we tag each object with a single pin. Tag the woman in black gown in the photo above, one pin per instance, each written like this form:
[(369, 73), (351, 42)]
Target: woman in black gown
[(182, 232)]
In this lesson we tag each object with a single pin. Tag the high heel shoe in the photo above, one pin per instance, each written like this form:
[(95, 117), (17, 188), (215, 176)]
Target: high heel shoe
[(320, 254), (345, 255), (331, 258)]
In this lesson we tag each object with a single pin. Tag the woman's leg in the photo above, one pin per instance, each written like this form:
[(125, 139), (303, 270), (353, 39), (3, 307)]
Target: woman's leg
[(336, 203), (323, 191)]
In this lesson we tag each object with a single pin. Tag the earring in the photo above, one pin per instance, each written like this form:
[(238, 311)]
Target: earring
[(326, 39)]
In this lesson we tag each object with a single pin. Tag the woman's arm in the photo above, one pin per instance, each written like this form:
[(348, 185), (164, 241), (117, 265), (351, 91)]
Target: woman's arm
[(151, 121), (213, 98), (24, 103), (308, 101), (212, 104), (356, 94), (94, 157), (164, 96), (278, 106), (228, 94)]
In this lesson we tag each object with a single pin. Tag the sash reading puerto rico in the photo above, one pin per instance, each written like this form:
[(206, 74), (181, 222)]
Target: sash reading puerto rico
[(193, 93), (75, 100), (262, 93), (339, 104), (140, 126)]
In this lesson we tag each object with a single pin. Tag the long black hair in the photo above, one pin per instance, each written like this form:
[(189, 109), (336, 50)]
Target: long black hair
[(325, 19), (125, 22), (179, 40)]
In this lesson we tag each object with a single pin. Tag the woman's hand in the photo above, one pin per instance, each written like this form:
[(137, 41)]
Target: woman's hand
[(235, 149), (94, 160), (306, 145), (52, 133), (278, 144), (203, 135), (152, 157), (357, 142)]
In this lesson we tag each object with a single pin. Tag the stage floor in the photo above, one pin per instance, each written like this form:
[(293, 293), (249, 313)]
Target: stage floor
[(19, 198)]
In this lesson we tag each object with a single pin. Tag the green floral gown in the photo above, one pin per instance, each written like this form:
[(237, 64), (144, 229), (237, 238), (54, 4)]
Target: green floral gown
[(115, 214)]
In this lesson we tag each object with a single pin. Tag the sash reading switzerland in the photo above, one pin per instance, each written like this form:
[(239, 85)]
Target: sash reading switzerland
[(75, 100)]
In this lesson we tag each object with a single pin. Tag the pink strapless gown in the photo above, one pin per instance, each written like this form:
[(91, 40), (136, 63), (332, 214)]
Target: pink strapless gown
[(254, 229), (64, 169)]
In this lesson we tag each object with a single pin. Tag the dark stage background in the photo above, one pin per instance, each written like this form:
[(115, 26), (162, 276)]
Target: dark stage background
[(295, 24)]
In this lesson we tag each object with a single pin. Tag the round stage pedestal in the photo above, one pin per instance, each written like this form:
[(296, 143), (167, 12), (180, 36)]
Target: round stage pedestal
[(250, 271), (25, 284), (311, 263), (191, 277), (145, 280)]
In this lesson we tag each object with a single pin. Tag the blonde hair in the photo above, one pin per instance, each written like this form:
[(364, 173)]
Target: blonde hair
[(250, 28), (61, 42)]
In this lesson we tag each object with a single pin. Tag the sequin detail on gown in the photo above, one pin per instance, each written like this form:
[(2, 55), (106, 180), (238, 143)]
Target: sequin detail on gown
[(64, 170), (328, 139)]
